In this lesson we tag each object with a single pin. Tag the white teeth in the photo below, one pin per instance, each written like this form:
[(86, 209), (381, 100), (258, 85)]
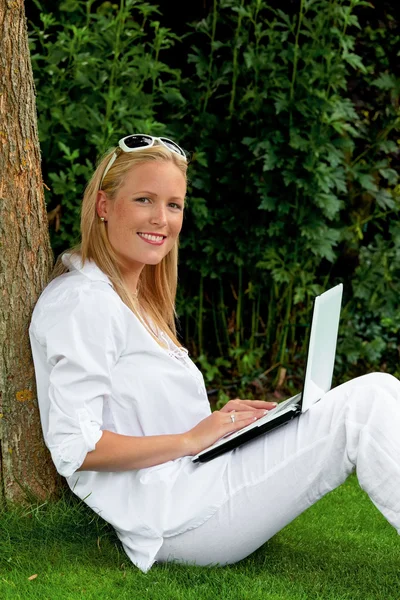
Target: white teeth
[(153, 238)]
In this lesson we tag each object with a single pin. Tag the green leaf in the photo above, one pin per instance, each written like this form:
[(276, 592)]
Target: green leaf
[(64, 148), (354, 61), (367, 182), (388, 146), (198, 207), (329, 204), (201, 158), (281, 103), (389, 174), (384, 199), (268, 203), (385, 81)]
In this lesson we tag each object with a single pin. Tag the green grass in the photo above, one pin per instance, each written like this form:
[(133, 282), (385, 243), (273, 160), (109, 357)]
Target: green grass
[(341, 548)]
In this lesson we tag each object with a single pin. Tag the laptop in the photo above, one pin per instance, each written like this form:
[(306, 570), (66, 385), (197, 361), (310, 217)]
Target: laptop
[(317, 377)]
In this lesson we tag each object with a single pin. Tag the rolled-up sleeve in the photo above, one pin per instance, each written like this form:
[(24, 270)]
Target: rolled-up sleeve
[(81, 339)]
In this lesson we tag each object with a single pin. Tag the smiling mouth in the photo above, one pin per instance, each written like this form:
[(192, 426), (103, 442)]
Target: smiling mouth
[(152, 239)]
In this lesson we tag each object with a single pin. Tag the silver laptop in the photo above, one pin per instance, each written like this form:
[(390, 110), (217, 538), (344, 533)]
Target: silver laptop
[(317, 377)]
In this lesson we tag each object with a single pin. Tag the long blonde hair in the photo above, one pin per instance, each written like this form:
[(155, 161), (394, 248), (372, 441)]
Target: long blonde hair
[(157, 283)]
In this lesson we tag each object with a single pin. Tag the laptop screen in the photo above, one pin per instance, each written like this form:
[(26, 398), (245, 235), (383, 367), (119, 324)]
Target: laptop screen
[(322, 346)]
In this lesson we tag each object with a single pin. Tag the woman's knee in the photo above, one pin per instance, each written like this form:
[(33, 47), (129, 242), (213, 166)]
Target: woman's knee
[(374, 391), (383, 381), (366, 391)]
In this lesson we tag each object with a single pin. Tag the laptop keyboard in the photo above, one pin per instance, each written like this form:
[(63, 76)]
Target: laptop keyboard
[(284, 404)]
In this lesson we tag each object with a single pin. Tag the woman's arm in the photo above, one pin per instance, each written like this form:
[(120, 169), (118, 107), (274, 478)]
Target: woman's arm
[(116, 452)]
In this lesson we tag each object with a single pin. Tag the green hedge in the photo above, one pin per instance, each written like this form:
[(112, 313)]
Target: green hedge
[(292, 119)]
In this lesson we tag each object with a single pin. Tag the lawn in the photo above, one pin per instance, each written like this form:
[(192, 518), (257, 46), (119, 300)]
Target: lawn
[(340, 548)]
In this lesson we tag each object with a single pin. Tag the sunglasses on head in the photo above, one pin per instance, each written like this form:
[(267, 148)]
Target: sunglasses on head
[(138, 141)]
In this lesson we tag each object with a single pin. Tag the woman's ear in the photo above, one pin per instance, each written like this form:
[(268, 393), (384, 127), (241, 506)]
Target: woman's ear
[(102, 204)]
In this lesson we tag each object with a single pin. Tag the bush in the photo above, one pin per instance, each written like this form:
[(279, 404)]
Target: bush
[(293, 121)]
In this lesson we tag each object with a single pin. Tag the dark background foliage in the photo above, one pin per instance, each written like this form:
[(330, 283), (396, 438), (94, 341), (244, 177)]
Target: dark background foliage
[(290, 111)]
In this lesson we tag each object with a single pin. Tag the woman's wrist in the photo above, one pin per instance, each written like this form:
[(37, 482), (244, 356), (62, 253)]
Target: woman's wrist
[(187, 444)]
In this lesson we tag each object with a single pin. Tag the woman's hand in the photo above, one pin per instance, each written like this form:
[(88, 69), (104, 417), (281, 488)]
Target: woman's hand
[(235, 415)]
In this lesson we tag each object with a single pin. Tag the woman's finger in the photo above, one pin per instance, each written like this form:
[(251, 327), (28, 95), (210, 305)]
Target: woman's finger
[(245, 405), (241, 416), (258, 404)]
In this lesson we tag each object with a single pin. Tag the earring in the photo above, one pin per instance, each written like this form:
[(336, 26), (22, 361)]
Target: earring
[(102, 219)]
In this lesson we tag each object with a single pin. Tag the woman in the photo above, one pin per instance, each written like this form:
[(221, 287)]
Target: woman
[(123, 407)]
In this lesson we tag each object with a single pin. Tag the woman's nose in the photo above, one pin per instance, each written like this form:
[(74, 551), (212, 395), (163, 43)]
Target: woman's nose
[(159, 215)]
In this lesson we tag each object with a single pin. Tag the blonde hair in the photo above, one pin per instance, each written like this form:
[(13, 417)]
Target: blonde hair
[(157, 284)]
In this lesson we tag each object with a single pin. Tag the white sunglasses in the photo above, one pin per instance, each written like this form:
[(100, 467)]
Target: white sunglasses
[(137, 141)]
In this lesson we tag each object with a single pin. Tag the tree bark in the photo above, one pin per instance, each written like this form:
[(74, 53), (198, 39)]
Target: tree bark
[(26, 470)]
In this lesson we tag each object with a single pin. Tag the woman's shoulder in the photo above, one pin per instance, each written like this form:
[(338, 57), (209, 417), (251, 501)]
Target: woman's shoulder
[(73, 286), (73, 294)]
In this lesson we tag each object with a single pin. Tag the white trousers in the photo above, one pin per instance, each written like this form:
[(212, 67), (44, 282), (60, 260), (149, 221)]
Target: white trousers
[(274, 478)]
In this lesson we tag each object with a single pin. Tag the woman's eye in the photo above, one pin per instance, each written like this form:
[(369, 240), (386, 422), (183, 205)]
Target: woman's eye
[(146, 200)]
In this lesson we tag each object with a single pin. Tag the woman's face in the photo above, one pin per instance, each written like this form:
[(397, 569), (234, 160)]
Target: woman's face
[(150, 202)]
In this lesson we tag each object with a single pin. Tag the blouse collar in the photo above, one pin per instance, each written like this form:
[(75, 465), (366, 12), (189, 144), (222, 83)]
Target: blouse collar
[(89, 268)]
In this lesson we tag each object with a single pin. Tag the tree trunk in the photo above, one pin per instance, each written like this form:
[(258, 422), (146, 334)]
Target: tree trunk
[(26, 471)]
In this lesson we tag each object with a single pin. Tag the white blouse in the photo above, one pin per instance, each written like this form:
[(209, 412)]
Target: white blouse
[(98, 368)]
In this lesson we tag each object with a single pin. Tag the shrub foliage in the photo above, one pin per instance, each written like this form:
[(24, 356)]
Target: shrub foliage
[(292, 118)]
